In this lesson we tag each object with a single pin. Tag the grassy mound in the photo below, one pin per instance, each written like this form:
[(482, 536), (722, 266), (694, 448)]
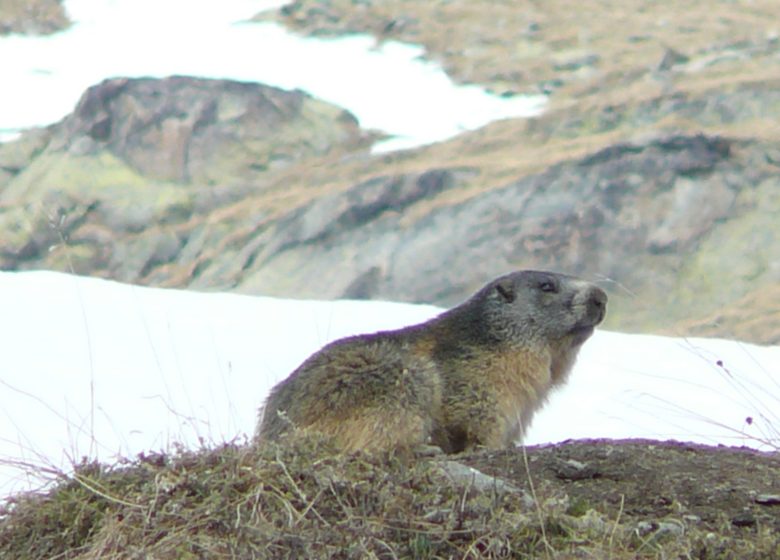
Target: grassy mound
[(303, 502)]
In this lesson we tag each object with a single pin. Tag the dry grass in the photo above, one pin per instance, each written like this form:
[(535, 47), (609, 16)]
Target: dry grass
[(232, 503), (754, 317), (303, 502)]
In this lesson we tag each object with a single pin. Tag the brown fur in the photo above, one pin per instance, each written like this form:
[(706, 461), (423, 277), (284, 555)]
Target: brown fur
[(471, 377)]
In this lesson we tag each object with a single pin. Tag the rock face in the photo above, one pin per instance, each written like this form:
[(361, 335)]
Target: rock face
[(659, 221), (346, 239)]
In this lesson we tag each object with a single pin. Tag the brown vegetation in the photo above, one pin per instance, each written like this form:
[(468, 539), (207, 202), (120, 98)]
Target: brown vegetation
[(598, 499), (596, 50)]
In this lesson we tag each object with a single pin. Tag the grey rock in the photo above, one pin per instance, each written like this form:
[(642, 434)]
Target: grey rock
[(184, 129), (557, 219), (463, 475), (744, 519), (671, 58), (659, 529), (575, 470), (768, 499)]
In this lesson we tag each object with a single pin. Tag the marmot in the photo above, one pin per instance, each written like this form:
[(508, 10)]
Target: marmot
[(471, 377)]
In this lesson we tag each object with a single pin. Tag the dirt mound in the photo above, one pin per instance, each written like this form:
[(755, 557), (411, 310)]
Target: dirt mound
[(633, 499)]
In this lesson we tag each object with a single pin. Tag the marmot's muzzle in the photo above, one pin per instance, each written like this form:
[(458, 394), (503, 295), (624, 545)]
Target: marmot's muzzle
[(596, 304)]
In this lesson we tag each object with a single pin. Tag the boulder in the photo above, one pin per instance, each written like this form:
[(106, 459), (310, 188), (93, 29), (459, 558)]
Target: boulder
[(194, 130), (122, 180)]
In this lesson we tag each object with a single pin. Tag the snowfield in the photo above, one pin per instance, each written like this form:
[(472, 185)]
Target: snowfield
[(106, 370)]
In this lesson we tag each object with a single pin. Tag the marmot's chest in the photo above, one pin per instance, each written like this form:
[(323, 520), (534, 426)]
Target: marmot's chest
[(519, 382)]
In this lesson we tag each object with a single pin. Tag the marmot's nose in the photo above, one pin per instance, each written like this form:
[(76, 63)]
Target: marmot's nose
[(597, 303)]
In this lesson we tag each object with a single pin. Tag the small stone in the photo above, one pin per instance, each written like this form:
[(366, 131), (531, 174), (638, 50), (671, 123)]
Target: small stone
[(438, 515), (768, 499), (671, 58), (467, 476), (574, 470), (645, 527), (670, 528), (660, 528), (744, 519)]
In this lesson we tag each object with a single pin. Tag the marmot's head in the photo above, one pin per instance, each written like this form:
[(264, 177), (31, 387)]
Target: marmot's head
[(534, 305)]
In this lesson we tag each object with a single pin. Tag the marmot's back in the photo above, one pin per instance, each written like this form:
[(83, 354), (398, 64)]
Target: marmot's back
[(473, 376), (368, 392)]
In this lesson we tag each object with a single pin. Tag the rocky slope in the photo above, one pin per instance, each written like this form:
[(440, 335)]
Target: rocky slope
[(660, 183), (596, 52)]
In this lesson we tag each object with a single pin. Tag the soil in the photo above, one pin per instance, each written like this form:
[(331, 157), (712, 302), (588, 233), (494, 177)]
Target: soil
[(731, 491)]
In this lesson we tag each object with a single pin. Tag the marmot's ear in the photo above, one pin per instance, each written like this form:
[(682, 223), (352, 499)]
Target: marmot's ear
[(506, 288)]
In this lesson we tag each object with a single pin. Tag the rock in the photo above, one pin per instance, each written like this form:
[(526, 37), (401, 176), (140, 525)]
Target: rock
[(768, 499), (134, 132), (691, 208), (314, 232), (153, 247), (364, 286), (140, 161), (659, 529), (463, 475), (32, 17), (16, 156), (658, 216), (570, 61), (187, 130), (54, 218), (671, 58), (334, 215), (574, 470), (744, 519)]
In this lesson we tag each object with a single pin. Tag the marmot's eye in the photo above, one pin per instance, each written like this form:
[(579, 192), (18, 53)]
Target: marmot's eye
[(548, 286)]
